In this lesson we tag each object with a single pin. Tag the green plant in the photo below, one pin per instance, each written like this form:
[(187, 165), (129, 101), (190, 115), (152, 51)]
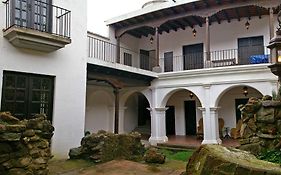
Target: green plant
[(274, 95), (271, 156), (177, 155)]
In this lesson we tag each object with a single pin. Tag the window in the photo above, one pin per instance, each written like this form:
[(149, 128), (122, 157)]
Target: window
[(25, 95), (34, 14), (127, 59), (168, 62)]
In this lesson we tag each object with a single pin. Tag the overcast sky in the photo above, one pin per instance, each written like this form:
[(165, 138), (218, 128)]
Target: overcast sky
[(101, 10)]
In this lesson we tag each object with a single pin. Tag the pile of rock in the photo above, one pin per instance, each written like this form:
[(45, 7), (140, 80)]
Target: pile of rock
[(216, 159), (261, 128), (24, 145), (104, 146), (152, 155)]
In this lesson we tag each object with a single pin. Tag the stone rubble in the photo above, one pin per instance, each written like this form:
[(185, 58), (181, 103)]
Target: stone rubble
[(261, 128), (24, 145), (104, 146)]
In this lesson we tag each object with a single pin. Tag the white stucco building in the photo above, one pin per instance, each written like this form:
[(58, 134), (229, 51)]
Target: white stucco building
[(162, 68)]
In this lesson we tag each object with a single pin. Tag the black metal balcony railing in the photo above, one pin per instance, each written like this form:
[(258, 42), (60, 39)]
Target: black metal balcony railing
[(221, 58), (38, 15), (107, 51)]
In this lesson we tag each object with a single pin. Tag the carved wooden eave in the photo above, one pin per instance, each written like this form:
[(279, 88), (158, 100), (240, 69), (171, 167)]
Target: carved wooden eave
[(203, 13)]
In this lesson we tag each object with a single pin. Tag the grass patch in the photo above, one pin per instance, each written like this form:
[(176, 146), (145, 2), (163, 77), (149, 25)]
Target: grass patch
[(271, 156), (177, 155)]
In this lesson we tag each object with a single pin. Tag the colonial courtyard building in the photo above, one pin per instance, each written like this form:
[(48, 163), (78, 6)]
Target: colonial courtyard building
[(162, 70)]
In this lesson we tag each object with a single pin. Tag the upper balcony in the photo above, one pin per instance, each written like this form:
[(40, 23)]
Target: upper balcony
[(37, 25), (108, 53)]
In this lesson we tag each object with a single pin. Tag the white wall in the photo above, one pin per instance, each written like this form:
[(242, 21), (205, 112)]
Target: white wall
[(68, 65), (177, 100), (131, 113), (99, 109)]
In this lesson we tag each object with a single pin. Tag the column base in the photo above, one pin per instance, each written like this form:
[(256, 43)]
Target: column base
[(212, 142), (157, 69), (154, 140)]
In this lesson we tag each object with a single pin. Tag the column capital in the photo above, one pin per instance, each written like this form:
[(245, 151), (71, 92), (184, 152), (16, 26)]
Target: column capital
[(203, 109), (214, 109), (158, 109)]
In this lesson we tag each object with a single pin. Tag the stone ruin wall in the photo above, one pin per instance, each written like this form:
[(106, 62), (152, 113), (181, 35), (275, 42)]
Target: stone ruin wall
[(261, 128), (24, 145)]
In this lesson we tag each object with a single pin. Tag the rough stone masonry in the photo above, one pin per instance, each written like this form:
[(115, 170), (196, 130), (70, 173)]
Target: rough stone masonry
[(24, 145)]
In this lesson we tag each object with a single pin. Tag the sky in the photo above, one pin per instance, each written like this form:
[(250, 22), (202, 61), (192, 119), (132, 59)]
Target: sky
[(102, 10)]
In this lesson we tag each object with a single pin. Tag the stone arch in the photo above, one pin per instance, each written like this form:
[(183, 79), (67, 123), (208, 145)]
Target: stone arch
[(228, 102), (169, 93), (136, 115), (183, 112), (226, 89), (127, 94)]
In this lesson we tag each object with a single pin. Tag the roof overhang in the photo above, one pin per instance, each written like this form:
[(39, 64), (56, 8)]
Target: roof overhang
[(189, 13)]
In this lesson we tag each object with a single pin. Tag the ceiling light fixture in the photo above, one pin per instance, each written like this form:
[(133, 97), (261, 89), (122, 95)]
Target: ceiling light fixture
[(194, 32), (151, 40), (245, 91), (247, 25)]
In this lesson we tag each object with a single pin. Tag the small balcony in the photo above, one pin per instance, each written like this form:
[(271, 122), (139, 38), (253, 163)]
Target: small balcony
[(37, 25)]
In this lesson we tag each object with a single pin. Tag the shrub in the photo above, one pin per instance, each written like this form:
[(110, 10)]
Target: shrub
[(271, 156)]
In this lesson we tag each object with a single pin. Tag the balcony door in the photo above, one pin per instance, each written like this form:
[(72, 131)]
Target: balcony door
[(34, 14), (168, 61), (144, 59), (193, 56), (248, 47)]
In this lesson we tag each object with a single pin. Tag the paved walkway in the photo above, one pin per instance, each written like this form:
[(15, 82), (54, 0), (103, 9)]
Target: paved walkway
[(194, 142)]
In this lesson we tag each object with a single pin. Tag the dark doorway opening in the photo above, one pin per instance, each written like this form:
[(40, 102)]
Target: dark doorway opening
[(241, 101), (143, 112), (170, 121), (190, 117), (193, 56), (144, 59)]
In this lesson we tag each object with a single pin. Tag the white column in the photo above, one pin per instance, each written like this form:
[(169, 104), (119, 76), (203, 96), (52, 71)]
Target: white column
[(210, 120), (158, 126), (121, 119)]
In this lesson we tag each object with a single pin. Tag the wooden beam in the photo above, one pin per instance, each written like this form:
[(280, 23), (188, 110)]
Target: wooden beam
[(188, 22), (172, 26), (142, 32), (206, 3), (179, 24), (200, 12), (194, 5), (197, 21), (248, 13), (258, 10), (166, 29), (226, 16), (217, 18), (238, 14), (218, 2)]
